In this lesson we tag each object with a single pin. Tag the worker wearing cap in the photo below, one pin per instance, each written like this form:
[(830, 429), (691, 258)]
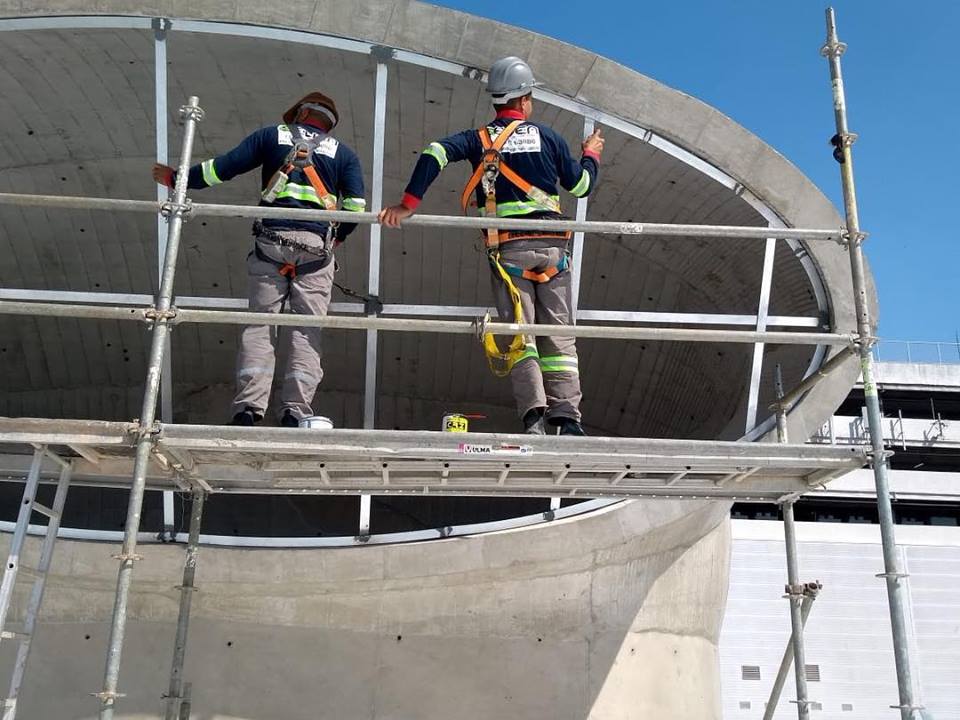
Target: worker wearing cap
[(517, 165), (301, 166)]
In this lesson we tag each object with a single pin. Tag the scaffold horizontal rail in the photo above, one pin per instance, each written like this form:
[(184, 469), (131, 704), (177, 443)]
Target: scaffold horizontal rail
[(746, 232), (456, 327), (388, 462)]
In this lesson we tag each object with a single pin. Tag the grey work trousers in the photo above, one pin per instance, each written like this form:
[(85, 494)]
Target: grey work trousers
[(306, 294), (547, 376)]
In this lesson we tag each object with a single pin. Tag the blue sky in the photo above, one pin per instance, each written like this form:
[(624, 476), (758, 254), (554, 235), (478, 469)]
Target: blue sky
[(758, 62)]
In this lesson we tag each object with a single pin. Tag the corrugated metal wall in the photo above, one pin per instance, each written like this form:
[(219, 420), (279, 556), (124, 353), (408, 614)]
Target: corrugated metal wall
[(848, 634)]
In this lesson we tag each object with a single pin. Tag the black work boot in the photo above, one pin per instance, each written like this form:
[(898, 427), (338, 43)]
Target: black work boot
[(288, 420), (568, 426), (248, 417), (533, 422)]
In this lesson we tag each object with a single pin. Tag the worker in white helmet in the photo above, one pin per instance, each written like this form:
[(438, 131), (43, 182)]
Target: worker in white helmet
[(517, 165)]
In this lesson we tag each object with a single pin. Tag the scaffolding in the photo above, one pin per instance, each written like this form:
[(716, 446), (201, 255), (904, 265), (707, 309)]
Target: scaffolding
[(152, 453)]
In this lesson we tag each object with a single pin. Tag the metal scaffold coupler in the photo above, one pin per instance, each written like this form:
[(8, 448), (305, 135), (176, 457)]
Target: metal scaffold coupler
[(141, 432), (909, 708), (192, 113), (152, 314), (812, 589), (864, 341), (184, 210), (794, 592), (835, 49), (480, 326), (856, 237), (894, 575), (872, 455), (127, 557), (104, 695)]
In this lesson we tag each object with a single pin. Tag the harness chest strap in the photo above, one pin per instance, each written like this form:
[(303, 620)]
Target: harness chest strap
[(488, 146)]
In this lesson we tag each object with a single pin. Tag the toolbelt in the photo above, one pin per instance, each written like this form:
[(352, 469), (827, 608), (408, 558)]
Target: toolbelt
[(289, 270)]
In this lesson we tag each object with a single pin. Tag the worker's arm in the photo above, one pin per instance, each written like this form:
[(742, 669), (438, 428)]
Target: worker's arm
[(432, 161), (579, 178), (243, 158), (350, 188)]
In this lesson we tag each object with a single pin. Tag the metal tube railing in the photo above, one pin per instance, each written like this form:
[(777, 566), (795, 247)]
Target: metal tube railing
[(739, 232), (161, 331), (176, 316)]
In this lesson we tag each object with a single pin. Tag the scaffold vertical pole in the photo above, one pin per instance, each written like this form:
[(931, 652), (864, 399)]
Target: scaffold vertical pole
[(161, 317), (843, 140), (799, 607), (175, 694), (781, 408), (794, 594)]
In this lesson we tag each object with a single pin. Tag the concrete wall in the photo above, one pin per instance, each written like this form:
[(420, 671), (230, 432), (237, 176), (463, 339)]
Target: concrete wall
[(613, 616)]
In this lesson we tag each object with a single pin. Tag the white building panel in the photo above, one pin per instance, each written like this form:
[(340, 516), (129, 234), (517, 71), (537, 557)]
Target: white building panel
[(849, 651)]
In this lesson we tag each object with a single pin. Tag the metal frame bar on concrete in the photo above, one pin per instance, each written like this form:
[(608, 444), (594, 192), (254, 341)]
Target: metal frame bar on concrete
[(160, 27), (892, 574), (763, 307), (577, 260)]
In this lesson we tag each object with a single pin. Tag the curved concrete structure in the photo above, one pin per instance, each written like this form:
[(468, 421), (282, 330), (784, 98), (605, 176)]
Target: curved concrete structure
[(612, 617)]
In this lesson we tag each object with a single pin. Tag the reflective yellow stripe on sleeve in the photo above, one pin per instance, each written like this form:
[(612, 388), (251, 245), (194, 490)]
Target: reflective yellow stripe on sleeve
[(354, 204), (210, 173), (438, 153), (581, 188)]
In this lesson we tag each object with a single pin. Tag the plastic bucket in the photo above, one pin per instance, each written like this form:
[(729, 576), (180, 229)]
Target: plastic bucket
[(316, 422)]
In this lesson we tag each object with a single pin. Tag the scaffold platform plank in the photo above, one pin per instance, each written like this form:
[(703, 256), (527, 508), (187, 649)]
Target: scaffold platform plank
[(395, 462)]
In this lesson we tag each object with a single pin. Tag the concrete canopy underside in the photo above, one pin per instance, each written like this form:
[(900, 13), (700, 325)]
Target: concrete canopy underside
[(80, 121)]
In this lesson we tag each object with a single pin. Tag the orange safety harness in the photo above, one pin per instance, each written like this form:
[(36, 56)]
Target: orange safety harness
[(298, 159), (491, 166)]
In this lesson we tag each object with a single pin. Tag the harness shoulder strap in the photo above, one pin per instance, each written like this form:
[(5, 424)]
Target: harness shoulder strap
[(488, 146), (328, 199), (302, 158)]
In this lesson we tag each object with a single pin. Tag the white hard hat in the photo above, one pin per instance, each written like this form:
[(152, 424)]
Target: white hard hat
[(509, 78)]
